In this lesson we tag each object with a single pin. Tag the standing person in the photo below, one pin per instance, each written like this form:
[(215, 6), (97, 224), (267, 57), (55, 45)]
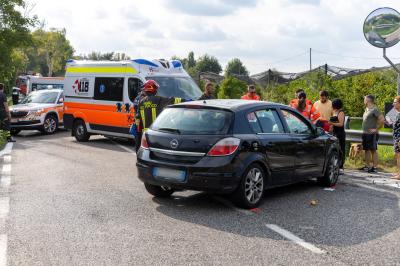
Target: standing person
[(306, 108), (373, 120), (293, 102), (251, 94), (324, 105), (150, 106), (396, 135), (5, 116), (337, 122), (208, 92)]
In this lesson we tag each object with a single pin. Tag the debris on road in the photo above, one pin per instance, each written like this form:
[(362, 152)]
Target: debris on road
[(313, 202)]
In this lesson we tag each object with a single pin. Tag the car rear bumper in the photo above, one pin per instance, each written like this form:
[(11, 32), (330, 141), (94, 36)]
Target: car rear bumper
[(220, 176)]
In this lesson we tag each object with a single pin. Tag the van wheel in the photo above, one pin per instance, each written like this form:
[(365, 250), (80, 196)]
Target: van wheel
[(250, 191), (50, 125), (159, 192), (80, 131), (15, 131), (331, 172)]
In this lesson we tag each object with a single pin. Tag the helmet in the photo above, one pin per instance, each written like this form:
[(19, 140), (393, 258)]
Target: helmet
[(150, 86)]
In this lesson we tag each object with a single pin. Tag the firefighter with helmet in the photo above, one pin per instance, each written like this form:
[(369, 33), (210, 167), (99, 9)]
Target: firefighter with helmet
[(149, 107)]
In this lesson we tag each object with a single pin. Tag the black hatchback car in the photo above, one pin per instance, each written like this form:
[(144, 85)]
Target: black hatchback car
[(234, 147)]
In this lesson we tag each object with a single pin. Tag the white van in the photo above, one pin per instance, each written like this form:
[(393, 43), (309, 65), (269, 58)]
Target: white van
[(99, 95)]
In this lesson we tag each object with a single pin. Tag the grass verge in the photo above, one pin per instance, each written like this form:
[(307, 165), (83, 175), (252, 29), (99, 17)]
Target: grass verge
[(387, 160)]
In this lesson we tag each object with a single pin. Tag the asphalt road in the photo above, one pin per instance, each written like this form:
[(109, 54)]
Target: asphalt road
[(81, 204)]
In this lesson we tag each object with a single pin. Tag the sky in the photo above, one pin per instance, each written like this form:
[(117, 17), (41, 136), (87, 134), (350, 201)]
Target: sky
[(263, 34)]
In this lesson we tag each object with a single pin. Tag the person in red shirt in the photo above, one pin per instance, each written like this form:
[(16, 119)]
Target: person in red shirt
[(306, 108), (251, 94), (293, 103)]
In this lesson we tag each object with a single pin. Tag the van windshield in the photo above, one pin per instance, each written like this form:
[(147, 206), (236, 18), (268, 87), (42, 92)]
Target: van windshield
[(190, 121), (182, 87)]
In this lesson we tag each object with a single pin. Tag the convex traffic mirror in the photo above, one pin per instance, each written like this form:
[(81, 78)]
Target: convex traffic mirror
[(382, 27)]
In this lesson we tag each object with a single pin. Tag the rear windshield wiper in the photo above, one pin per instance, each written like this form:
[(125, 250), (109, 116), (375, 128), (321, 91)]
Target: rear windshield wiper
[(170, 130)]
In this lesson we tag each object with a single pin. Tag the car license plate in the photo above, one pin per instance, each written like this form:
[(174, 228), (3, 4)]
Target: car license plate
[(14, 120), (169, 174)]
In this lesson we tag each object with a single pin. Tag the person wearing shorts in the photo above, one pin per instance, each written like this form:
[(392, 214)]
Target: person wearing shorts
[(372, 121)]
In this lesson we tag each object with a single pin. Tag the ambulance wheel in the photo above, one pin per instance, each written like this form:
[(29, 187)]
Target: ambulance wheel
[(15, 131), (80, 131), (50, 125)]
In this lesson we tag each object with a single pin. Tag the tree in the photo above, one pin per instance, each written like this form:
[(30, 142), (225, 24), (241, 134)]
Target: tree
[(235, 66), (14, 34), (231, 88), (50, 51), (208, 63), (191, 62), (109, 56)]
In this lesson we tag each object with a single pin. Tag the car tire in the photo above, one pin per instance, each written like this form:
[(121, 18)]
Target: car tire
[(50, 125), (331, 174), (251, 189), (14, 131), (80, 131), (158, 191)]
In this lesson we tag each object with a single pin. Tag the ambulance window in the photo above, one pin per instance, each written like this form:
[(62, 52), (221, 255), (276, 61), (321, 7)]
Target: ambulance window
[(134, 85), (108, 89)]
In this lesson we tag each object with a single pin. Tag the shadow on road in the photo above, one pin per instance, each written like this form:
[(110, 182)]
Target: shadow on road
[(349, 215)]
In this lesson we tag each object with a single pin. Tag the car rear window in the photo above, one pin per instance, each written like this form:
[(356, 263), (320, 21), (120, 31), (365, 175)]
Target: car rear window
[(191, 121)]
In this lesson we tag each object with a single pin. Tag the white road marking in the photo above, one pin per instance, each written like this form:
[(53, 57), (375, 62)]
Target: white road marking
[(4, 207), (7, 149), (230, 205), (3, 250), (6, 170), (124, 147), (7, 159), (5, 180), (288, 235)]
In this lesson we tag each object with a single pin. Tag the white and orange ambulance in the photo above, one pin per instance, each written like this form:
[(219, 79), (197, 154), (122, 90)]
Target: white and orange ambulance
[(99, 95)]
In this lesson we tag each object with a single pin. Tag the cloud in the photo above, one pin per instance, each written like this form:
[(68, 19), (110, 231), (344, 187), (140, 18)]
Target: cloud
[(259, 32), (306, 2), (200, 32), (209, 7)]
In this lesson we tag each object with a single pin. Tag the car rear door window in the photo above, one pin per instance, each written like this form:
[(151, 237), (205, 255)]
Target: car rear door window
[(296, 124), (269, 121), (254, 123)]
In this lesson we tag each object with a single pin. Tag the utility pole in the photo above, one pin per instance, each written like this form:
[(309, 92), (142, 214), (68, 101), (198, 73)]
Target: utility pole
[(310, 60)]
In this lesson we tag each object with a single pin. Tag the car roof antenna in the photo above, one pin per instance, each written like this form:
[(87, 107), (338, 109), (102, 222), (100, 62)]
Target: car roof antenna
[(204, 101)]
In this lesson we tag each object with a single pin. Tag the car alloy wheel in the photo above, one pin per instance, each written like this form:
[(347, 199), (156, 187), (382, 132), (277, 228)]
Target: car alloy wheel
[(334, 168), (254, 185), (50, 125)]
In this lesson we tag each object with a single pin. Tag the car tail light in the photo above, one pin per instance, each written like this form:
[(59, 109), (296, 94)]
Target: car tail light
[(224, 147), (143, 143)]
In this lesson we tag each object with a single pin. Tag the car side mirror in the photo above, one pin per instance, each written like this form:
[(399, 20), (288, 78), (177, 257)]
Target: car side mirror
[(61, 100)]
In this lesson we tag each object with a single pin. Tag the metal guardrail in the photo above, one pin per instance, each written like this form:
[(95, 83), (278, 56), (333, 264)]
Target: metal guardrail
[(385, 138)]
